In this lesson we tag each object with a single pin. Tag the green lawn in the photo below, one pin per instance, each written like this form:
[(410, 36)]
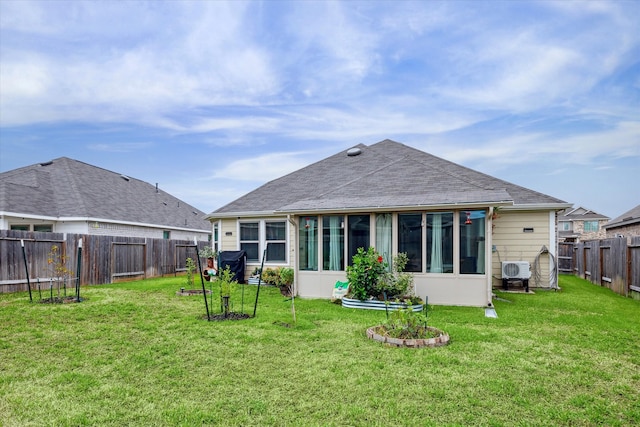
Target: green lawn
[(137, 354)]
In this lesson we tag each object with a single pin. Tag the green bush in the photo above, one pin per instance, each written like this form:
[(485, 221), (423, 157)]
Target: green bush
[(405, 323), (369, 276), (366, 273), (270, 276)]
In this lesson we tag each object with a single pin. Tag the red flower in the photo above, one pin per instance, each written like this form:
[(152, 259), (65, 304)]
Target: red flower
[(380, 259)]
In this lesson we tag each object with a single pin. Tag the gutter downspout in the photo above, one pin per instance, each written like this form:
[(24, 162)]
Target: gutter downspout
[(489, 259)]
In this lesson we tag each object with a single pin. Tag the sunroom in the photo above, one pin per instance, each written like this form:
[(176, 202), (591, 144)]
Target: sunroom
[(398, 200)]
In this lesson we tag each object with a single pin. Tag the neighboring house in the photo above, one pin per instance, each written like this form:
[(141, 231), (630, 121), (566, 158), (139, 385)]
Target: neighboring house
[(626, 225), (580, 224), (397, 199), (69, 196)]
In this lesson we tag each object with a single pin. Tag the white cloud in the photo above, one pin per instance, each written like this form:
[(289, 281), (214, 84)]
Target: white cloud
[(260, 168), (544, 148), (120, 147)]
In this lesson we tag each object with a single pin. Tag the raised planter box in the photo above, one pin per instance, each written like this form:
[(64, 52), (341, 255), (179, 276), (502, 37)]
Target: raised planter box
[(378, 305)]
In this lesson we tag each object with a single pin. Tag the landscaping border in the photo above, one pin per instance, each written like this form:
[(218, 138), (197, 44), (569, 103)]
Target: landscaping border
[(440, 340), (378, 305)]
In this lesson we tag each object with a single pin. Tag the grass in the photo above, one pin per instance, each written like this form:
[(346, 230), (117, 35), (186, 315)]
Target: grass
[(136, 354)]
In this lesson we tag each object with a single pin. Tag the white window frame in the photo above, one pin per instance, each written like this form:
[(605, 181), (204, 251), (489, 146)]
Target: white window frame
[(262, 239)]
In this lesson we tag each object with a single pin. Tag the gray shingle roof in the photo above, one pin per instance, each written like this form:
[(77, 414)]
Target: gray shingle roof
[(67, 188), (630, 217), (580, 214), (387, 174)]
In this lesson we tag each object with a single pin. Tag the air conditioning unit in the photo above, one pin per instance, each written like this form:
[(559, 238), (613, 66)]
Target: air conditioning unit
[(516, 270)]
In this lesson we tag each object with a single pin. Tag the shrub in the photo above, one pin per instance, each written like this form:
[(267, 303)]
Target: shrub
[(369, 276), (405, 323), (270, 276), (365, 273), (285, 276)]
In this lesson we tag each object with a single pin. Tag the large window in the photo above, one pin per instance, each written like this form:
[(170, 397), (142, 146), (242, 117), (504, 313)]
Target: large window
[(410, 239), (359, 234), (440, 242), (308, 237), (590, 226), (472, 242), (257, 235), (333, 243), (250, 240)]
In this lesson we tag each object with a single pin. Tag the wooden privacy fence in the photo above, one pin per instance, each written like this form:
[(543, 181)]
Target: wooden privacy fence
[(105, 259), (614, 263)]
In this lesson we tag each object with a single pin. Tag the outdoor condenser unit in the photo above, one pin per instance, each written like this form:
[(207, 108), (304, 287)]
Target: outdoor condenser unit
[(516, 270)]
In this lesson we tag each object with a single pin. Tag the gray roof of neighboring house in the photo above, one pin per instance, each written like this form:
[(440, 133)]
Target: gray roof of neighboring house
[(67, 188), (630, 217), (387, 174), (580, 214)]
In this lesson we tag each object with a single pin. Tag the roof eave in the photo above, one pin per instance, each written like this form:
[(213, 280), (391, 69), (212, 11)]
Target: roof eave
[(386, 208), (103, 220), (538, 207), (632, 221), (227, 215)]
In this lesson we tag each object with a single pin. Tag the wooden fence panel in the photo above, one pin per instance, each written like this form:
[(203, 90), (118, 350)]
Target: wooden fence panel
[(566, 261), (614, 263), (633, 265), (578, 257), (128, 260), (104, 258)]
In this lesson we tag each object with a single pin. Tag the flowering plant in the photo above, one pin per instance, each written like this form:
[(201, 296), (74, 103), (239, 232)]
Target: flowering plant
[(366, 273), (369, 276)]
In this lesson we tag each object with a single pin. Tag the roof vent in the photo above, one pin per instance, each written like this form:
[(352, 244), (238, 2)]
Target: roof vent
[(354, 152), (50, 162), (125, 177)]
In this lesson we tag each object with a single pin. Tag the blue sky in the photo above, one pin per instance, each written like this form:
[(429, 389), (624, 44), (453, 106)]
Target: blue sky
[(212, 99)]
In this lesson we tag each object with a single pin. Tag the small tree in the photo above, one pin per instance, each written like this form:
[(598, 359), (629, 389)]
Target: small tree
[(207, 252), (191, 268), (57, 269), (227, 285)]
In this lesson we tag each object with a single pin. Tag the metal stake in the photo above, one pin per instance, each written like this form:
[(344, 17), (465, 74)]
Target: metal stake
[(26, 268), (79, 270), (255, 305)]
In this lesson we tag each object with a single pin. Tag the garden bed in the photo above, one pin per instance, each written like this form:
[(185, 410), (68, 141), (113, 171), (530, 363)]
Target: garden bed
[(378, 305), (189, 292), (377, 333)]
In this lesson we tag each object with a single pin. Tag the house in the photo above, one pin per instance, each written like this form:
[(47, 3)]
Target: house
[(69, 196), (455, 224), (576, 224), (626, 225)]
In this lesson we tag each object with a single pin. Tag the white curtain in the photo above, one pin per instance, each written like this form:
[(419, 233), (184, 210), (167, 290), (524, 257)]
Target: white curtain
[(335, 246), (436, 243), (383, 237), (312, 245)]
